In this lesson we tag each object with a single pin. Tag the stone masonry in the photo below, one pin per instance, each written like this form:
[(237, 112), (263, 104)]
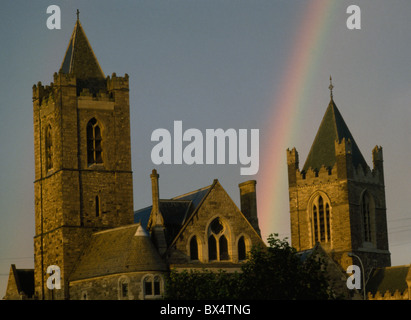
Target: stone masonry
[(74, 198), (342, 183)]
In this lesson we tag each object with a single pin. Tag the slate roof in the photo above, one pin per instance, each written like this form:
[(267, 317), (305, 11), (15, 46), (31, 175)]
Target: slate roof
[(195, 196), (129, 248), (389, 278), (119, 250), (175, 211), (81, 61), (304, 255), (24, 280), (333, 128)]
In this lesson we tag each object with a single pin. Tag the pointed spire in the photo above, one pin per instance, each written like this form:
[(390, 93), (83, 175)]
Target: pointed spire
[(79, 58), (332, 128)]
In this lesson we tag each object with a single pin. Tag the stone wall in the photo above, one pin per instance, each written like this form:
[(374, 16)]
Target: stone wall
[(217, 204), (66, 209), (343, 185), (110, 287)]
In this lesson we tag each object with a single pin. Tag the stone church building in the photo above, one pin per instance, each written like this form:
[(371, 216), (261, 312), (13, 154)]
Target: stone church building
[(336, 199), (338, 202), (86, 227), (84, 219)]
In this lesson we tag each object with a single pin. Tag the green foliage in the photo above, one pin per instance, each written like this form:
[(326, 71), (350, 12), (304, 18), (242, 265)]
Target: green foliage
[(201, 285), (273, 272), (277, 272)]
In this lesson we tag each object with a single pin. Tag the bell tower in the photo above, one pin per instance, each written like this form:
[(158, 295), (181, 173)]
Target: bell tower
[(337, 200), (83, 177)]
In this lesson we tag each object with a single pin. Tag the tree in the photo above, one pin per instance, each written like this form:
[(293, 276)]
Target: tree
[(273, 272), (277, 272), (201, 285)]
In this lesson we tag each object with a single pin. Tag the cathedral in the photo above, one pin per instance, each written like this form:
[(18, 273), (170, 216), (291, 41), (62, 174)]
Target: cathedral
[(86, 226), (336, 199), (337, 203)]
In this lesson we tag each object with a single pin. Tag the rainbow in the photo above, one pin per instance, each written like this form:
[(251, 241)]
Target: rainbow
[(303, 62)]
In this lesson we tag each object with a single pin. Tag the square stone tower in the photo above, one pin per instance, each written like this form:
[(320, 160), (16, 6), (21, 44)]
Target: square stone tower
[(83, 177), (336, 199)]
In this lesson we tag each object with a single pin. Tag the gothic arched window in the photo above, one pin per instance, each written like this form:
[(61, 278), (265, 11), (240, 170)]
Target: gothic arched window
[(94, 142), (241, 249), (148, 286), (367, 215), (152, 286), (212, 248), (123, 288), (49, 148), (321, 221), (222, 242), (218, 241), (193, 248)]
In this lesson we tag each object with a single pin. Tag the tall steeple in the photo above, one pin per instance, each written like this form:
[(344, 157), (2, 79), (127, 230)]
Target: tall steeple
[(336, 199), (333, 128), (81, 61), (83, 178)]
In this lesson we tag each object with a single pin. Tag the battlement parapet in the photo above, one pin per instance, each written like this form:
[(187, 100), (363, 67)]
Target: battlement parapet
[(343, 147), (367, 175), (43, 93), (377, 153), (327, 175), (64, 79), (292, 156), (313, 176), (117, 83), (101, 95)]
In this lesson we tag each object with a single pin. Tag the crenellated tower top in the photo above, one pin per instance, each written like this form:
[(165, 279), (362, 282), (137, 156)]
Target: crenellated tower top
[(82, 157), (336, 199)]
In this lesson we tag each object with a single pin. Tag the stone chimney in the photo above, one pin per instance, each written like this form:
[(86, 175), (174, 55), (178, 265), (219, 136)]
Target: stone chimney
[(155, 211), (248, 198), (156, 221)]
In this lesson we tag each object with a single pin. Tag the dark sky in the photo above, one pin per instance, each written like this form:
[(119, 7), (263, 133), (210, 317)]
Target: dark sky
[(216, 64)]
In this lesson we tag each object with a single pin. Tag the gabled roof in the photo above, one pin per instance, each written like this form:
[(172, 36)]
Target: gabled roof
[(333, 128), (205, 192), (119, 250), (175, 211), (80, 59), (195, 196), (389, 279), (24, 281)]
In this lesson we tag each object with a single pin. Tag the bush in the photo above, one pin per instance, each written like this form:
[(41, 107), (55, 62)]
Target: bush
[(273, 272)]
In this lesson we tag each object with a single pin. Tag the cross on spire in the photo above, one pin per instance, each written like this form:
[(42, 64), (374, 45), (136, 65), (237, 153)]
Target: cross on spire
[(78, 14), (331, 87)]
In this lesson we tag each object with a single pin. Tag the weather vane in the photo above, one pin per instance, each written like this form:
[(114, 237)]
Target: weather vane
[(331, 87)]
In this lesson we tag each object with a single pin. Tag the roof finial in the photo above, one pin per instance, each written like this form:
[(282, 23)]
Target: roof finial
[(78, 14), (331, 87)]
